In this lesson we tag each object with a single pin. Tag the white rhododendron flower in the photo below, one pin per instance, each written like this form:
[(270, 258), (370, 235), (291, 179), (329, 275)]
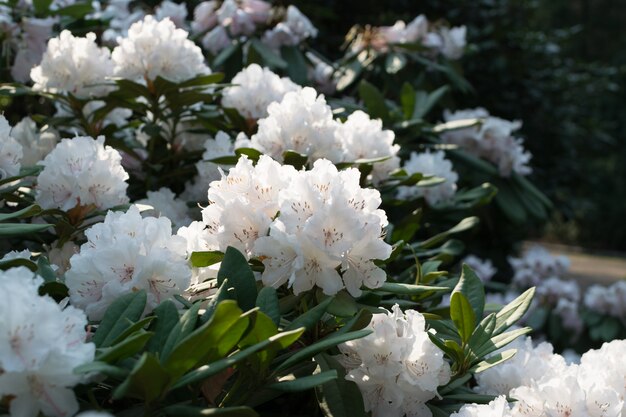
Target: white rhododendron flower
[(449, 42), (165, 204), (11, 151), (364, 138), (80, 172), (119, 18), (496, 408), (177, 13), (430, 164), (536, 265), (491, 139), (127, 253), (40, 345), (321, 74), (33, 35), (327, 223), (324, 229), (154, 49), (483, 268), (254, 90), (36, 144), (74, 65), (204, 16), (609, 300), (397, 367), (553, 289), (301, 122), (293, 30), (529, 364)]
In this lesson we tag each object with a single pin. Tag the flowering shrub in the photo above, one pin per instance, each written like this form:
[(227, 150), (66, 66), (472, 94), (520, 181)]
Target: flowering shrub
[(215, 247)]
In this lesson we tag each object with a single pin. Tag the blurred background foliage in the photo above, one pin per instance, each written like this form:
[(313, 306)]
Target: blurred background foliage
[(557, 65)]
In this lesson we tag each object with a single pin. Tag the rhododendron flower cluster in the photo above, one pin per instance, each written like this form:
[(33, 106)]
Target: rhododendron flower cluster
[(440, 39), (165, 204), (302, 122), (430, 164), (492, 138), (309, 228), (544, 385), (40, 345), (36, 143), (127, 253), (609, 300), (74, 65), (397, 367), (157, 49), (254, 89), (80, 172), (10, 151), (221, 24), (536, 265)]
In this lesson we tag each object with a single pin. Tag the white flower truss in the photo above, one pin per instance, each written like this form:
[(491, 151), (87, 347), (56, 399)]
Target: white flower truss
[(254, 90), (364, 138), (499, 407), (165, 204), (327, 233), (127, 253), (397, 367), (609, 300), (430, 164), (74, 65), (548, 387), (80, 172), (157, 48), (293, 30), (36, 143), (492, 138), (40, 345), (536, 265), (11, 151), (302, 122)]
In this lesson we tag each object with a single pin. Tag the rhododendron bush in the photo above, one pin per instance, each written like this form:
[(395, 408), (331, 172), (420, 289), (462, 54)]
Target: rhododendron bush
[(202, 215)]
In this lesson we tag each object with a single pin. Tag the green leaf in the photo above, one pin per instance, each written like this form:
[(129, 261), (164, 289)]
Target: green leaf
[(13, 263), (513, 311), (221, 295), (271, 58), (338, 397), (472, 287), (190, 411), (102, 368), (166, 319), (42, 6), (465, 224), (204, 259), (343, 305), (181, 330), (121, 313), (483, 332), (215, 337), (281, 340), (407, 100), (462, 315), (311, 317), (147, 381), (425, 102), (296, 64), (409, 289), (267, 301), (45, 270), (374, 101), (18, 229), (240, 277), (125, 349), (29, 211), (76, 11), (305, 383), (493, 361), (132, 329), (320, 346), (500, 340), (295, 159)]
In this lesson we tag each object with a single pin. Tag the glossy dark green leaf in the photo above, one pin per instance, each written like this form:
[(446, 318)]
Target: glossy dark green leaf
[(305, 383), (147, 380), (462, 315), (204, 259), (119, 316), (240, 277), (311, 317), (166, 320), (338, 397), (267, 301), (374, 101), (472, 288)]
